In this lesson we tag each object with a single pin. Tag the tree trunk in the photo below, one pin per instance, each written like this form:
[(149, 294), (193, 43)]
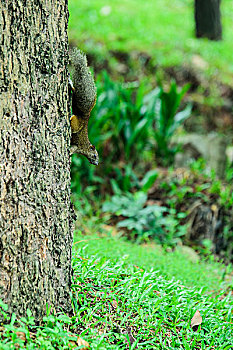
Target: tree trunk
[(208, 19), (35, 210)]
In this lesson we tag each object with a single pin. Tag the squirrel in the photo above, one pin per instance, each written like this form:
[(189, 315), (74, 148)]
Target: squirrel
[(83, 100)]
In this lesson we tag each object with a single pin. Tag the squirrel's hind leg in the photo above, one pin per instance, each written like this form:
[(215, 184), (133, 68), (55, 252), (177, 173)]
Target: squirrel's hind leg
[(76, 124)]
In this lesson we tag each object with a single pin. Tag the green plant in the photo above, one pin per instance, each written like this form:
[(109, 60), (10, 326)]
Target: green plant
[(119, 128), (167, 119), (124, 293), (177, 263), (124, 179), (229, 172), (223, 190), (24, 333), (198, 166), (119, 116), (145, 221), (83, 174)]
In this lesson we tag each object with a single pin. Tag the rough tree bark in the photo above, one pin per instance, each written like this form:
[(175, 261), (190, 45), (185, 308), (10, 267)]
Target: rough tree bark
[(208, 19), (35, 210)]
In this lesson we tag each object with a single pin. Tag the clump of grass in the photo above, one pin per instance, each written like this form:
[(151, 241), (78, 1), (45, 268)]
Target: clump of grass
[(25, 333)]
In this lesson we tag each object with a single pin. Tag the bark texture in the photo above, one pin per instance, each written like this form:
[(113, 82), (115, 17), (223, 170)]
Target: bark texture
[(208, 19), (35, 211)]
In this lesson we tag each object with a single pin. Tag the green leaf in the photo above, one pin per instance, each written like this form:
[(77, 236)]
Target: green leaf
[(149, 180)]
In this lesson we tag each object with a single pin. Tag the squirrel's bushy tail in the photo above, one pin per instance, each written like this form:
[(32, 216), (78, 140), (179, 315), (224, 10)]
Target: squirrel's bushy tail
[(83, 82)]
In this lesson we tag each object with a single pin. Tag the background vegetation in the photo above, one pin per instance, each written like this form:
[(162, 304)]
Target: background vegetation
[(138, 276), (160, 28), (154, 80)]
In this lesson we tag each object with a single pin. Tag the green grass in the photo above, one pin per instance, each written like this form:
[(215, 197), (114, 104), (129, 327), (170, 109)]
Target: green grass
[(162, 28), (177, 264), (120, 306)]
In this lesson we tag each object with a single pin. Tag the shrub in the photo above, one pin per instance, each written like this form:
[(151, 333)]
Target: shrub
[(166, 119), (120, 120), (122, 126), (145, 221)]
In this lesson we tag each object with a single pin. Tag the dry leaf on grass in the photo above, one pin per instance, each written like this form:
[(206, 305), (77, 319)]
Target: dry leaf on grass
[(84, 343), (114, 304), (196, 320)]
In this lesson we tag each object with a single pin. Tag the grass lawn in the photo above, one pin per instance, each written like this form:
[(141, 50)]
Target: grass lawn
[(162, 28), (177, 264), (126, 298)]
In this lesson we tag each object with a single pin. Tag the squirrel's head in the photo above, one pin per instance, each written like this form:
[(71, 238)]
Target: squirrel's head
[(85, 148), (92, 155)]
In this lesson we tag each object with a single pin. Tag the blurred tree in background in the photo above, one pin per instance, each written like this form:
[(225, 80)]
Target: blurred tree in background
[(208, 19)]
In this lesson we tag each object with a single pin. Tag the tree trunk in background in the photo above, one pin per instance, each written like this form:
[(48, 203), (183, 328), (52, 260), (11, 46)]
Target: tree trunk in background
[(35, 210), (208, 19)]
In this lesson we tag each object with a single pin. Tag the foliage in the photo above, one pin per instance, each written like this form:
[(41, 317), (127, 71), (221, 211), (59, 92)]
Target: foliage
[(124, 115), (145, 221), (195, 183), (167, 119), (127, 180), (120, 118), (121, 129), (224, 191), (182, 188), (148, 180), (82, 173), (124, 179), (229, 172), (24, 333)]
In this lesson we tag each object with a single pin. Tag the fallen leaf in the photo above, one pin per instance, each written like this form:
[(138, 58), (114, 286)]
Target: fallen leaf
[(21, 335), (114, 304), (196, 320), (84, 343)]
